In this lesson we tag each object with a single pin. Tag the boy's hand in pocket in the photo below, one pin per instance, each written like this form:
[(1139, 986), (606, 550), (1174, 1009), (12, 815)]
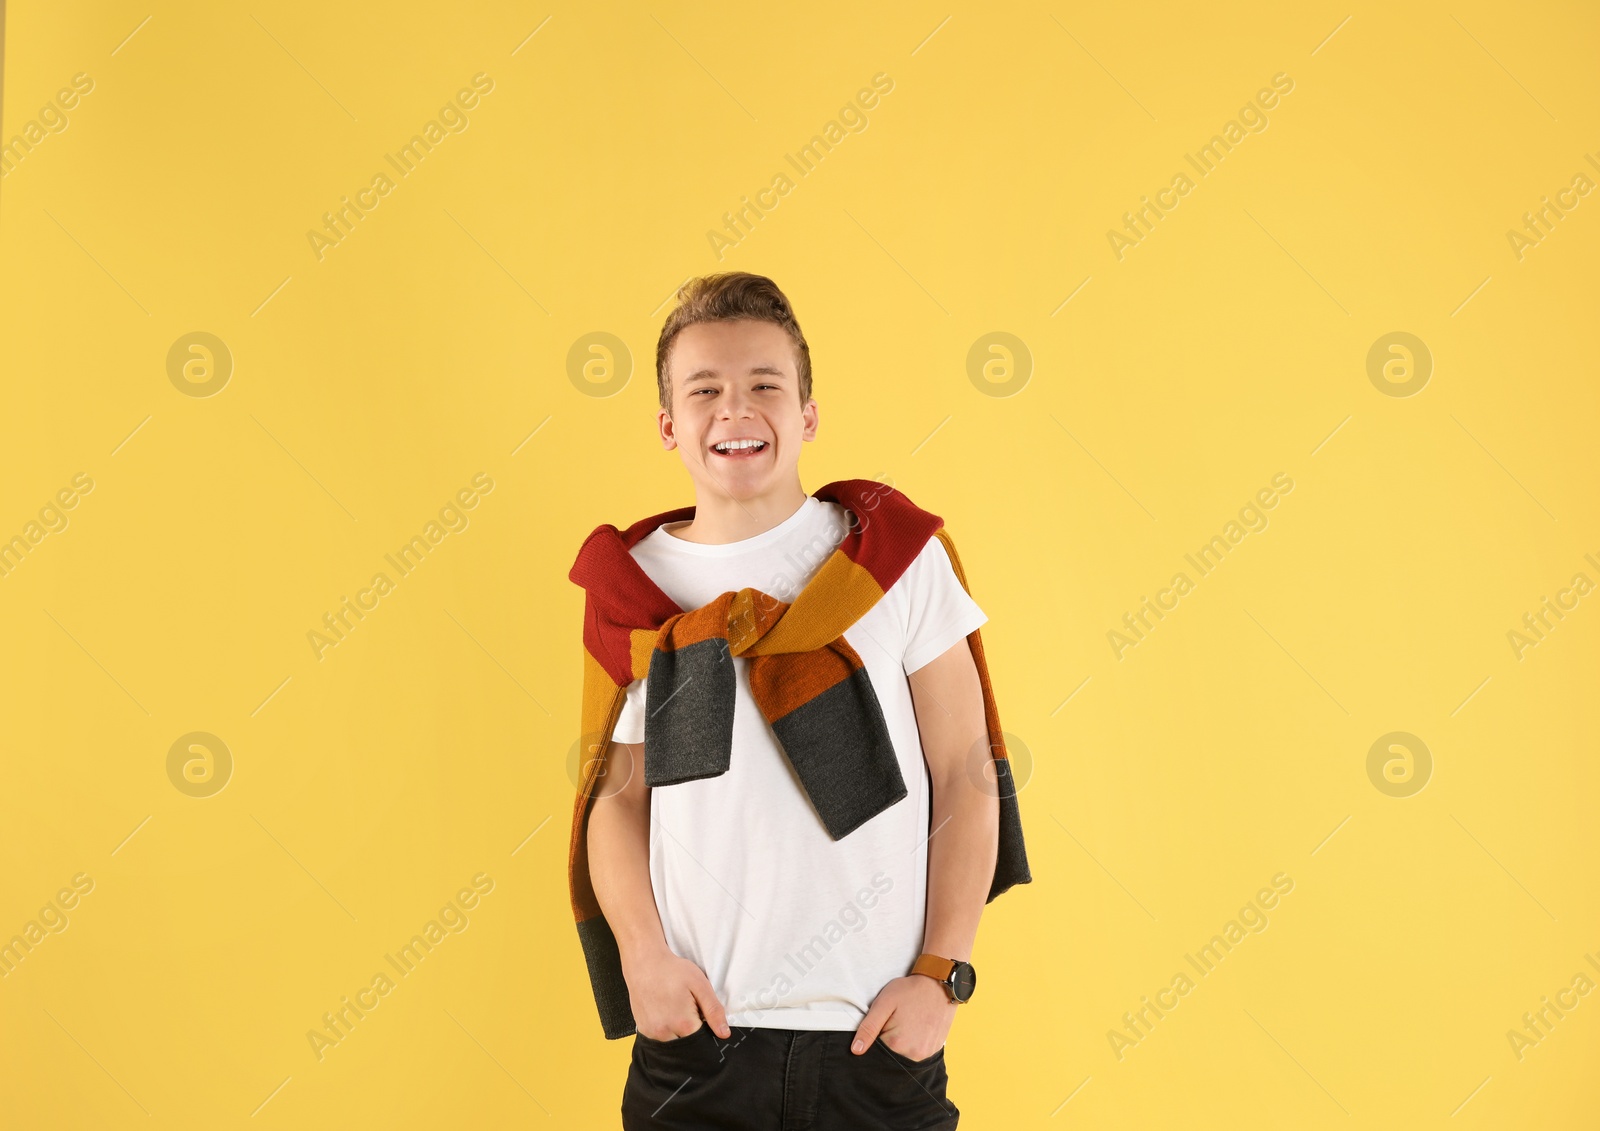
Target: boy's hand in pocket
[(670, 995)]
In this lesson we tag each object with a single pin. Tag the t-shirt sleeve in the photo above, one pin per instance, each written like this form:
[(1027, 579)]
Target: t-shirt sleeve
[(630, 723), (939, 611)]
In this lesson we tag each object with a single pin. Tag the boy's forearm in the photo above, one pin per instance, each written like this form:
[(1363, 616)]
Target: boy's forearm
[(619, 868), (962, 848)]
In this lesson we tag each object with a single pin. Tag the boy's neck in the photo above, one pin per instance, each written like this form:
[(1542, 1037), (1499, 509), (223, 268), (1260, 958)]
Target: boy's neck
[(721, 519)]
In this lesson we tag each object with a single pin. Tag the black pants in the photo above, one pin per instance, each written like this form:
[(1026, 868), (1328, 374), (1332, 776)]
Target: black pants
[(781, 1080)]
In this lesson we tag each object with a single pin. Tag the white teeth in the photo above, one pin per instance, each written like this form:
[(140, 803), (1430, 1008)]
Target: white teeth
[(738, 445)]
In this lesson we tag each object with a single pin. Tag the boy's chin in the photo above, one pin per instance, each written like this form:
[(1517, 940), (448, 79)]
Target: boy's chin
[(744, 484)]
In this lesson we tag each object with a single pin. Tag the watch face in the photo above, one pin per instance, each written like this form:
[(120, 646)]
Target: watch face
[(963, 980)]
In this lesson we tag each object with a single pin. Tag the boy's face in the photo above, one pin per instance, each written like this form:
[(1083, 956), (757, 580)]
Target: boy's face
[(737, 381)]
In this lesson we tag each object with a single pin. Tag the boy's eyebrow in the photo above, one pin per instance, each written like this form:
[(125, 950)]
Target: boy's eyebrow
[(711, 374)]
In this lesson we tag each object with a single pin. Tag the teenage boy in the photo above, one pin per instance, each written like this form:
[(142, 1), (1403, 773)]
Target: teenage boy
[(798, 800)]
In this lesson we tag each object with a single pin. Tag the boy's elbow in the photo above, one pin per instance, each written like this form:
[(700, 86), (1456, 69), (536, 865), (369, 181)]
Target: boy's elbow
[(966, 783)]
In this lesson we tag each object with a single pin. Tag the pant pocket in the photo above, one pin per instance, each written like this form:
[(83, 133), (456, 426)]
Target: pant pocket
[(881, 1088), (668, 1062), (936, 1055), (675, 1085), (669, 1042)]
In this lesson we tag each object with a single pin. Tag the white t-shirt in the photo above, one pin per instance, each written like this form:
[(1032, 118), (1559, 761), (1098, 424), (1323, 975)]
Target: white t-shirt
[(794, 929)]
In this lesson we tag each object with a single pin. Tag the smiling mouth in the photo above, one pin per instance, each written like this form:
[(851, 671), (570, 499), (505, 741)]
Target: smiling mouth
[(749, 451)]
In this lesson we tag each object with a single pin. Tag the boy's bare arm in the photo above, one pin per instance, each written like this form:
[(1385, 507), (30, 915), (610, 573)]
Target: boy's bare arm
[(669, 994), (964, 834), (619, 852), (913, 1013)]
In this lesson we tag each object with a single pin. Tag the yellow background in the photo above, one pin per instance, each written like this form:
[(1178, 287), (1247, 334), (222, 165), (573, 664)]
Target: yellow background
[(432, 744)]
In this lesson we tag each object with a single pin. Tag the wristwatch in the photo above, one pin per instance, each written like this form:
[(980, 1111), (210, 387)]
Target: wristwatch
[(959, 979)]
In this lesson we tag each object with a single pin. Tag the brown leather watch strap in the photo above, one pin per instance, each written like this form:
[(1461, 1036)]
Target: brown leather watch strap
[(935, 967)]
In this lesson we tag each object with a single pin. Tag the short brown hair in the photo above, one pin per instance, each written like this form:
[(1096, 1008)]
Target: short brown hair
[(728, 298)]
